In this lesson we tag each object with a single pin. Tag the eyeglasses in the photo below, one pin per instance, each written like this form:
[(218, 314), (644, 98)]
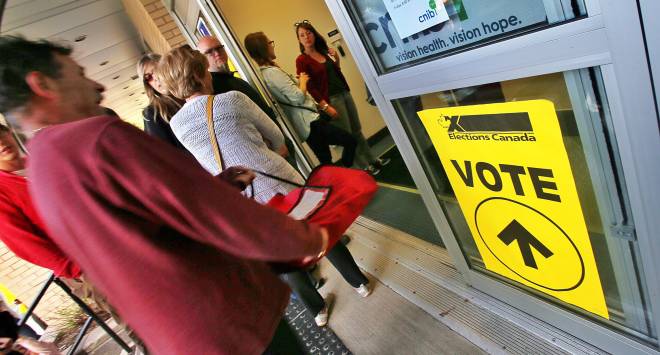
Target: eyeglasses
[(297, 24), (219, 49), (272, 43), (148, 77)]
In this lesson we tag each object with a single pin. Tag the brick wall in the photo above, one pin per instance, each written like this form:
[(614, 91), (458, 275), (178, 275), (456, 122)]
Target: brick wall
[(155, 24), (24, 280)]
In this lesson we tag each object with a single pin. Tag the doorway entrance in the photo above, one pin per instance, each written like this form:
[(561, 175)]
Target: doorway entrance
[(398, 203)]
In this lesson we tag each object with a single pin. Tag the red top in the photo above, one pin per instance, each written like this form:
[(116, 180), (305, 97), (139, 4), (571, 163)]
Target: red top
[(180, 254), (318, 76), (23, 232)]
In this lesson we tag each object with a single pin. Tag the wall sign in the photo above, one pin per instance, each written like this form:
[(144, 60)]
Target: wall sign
[(414, 16), (510, 171), (202, 28)]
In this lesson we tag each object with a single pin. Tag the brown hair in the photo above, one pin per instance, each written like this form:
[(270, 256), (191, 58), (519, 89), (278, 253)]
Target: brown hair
[(183, 71), (257, 46), (320, 44), (164, 106), (3, 128)]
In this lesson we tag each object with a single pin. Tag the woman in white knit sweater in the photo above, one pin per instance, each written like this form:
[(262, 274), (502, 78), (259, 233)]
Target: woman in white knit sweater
[(246, 137), (245, 134)]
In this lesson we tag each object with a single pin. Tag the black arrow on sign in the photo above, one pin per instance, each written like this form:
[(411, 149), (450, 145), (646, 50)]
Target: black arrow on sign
[(515, 231)]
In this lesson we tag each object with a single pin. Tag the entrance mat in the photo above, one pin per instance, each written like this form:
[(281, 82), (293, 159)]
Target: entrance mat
[(315, 340), (404, 211), (396, 172)]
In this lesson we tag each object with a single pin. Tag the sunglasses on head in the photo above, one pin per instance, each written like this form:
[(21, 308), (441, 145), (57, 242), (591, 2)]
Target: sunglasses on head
[(148, 77), (297, 24)]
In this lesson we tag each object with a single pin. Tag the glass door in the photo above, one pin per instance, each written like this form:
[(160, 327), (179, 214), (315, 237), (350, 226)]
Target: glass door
[(517, 123)]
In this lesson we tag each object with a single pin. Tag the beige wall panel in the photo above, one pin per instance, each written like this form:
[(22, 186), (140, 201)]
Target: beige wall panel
[(276, 19)]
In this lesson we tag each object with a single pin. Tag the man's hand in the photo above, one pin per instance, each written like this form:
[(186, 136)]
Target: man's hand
[(324, 248), (238, 176), (283, 151)]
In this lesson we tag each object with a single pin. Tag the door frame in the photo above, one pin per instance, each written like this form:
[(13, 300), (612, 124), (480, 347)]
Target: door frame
[(600, 40)]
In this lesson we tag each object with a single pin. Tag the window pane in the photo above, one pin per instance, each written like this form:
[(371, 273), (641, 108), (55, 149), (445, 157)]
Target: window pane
[(583, 117), (471, 23)]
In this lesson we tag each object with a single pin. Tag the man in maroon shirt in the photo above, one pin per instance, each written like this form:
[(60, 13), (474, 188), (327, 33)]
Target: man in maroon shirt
[(181, 255)]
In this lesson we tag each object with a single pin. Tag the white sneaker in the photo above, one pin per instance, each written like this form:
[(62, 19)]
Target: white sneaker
[(363, 290), (321, 319)]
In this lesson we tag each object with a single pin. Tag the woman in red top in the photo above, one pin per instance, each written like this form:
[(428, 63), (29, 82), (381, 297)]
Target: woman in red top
[(329, 88)]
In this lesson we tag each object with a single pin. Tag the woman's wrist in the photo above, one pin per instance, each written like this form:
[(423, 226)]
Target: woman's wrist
[(324, 107)]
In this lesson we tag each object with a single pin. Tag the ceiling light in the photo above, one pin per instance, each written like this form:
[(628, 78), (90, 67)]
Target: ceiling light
[(125, 87), (115, 77), (80, 38), (104, 63), (134, 77)]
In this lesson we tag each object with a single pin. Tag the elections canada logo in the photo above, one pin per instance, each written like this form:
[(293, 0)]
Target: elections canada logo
[(504, 127)]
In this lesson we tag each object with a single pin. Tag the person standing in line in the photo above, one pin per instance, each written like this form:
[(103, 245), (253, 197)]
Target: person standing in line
[(330, 89), (245, 135), (224, 81), (145, 222), (239, 126), (300, 107), (162, 106)]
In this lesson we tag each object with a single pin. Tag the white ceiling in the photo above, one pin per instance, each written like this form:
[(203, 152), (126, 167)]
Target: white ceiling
[(109, 52)]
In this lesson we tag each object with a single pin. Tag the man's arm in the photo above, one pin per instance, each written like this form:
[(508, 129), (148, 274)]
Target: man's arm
[(159, 183)]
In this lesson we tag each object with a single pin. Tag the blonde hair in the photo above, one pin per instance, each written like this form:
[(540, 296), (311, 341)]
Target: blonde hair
[(183, 71), (164, 106)]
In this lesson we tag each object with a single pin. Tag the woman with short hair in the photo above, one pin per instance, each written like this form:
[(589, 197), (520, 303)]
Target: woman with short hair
[(245, 135)]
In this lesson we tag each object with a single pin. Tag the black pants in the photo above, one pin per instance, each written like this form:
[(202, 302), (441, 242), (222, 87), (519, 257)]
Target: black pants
[(322, 134), (343, 261), (302, 285), (284, 341)]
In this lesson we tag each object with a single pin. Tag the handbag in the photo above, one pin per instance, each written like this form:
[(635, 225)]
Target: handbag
[(332, 197)]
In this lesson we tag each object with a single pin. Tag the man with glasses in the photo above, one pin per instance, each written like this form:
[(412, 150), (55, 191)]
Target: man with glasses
[(225, 81)]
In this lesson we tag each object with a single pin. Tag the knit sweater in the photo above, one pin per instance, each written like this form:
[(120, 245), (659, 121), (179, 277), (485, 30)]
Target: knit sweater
[(246, 136)]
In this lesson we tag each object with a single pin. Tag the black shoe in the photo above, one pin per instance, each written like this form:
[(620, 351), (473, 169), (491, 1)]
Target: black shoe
[(381, 162), (373, 170), (345, 239)]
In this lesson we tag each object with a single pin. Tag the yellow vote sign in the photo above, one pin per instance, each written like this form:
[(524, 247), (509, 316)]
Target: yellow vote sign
[(510, 171)]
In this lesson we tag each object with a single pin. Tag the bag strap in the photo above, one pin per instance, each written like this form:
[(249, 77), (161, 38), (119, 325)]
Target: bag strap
[(277, 178), (214, 140), (301, 107)]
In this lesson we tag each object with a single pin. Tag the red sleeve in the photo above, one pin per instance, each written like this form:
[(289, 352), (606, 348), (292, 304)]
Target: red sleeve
[(29, 243), (163, 185)]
